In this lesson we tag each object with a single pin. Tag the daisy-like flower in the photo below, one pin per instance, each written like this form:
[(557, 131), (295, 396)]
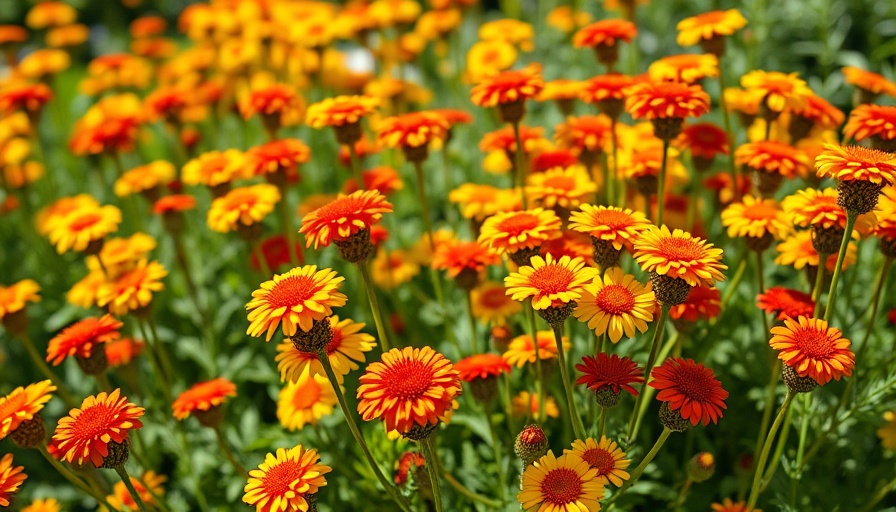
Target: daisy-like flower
[(463, 261), (346, 221), (710, 29), (476, 202), (242, 207), (817, 112), (409, 461), (605, 456), (297, 298), (560, 189), (522, 231), (216, 169), (391, 269), (203, 399), (23, 96), (384, 179), (83, 338), (345, 350), (561, 484), (278, 160), (604, 37), (508, 91), (11, 478), (615, 304), (609, 227), (759, 221), (704, 141), (123, 351), (607, 92), (284, 480), (666, 105), (481, 372), (522, 351), (779, 91), (412, 133), (608, 375), (44, 505), (812, 207), (586, 136), (727, 505), (491, 304), (869, 83), (526, 405), (703, 303), (305, 400), (677, 254), (563, 92), (772, 157), (689, 389), (277, 105), (14, 297), (409, 390), (813, 349), (786, 303), (20, 413), (861, 172), (686, 67), (98, 430), (875, 122), (133, 289), (85, 225), (798, 251), (146, 178), (174, 204), (550, 282), (488, 58), (148, 486)]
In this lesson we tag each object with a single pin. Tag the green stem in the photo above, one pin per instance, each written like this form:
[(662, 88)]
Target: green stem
[(801, 448), (424, 204), (394, 493), (847, 234), (61, 388), (602, 423), (103, 382), (767, 410), (577, 426), (661, 191), (651, 360), (683, 494), (159, 347), (432, 467), (156, 366), (763, 457), (228, 453), (356, 166), (541, 387), (519, 177), (643, 465), (779, 449), (732, 285), (726, 119), (472, 496), (123, 473), (649, 392), (499, 457), (879, 496), (374, 307), (819, 280), (474, 349), (760, 280), (875, 305)]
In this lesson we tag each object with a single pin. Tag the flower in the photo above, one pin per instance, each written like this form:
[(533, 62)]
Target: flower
[(22, 404), (585, 135), (513, 31), (121, 499), (490, 303), (412, 130), (14, 297), (345, 350), (455, 257), (305, 400), (242, 206), (215, 168), (708, 26), (481, 366), (390, 269), (11, 478), (340, 111), (869, 81), (110, 126), (123, 351), (856, 163), (409, 387), (550, 158), (278, 156), (477, 201), (297, 298), (703, 140), (344, 217), (659, 100), (774, 157), (132, 289), (277, 104), (488, 58), (813, 349), (814, 208), (689, 388), (560, 90), (383, 178), (86, 224), (144, 178), (508, 87), (678, 254), (561, 484), (521, 349), (203, 397), (174, 203), (703, 302), (550, 282), (604, 33), (24, 96), (86, 434), (605, 456), (779, 91), (786, 303), (284, 479), (560, 188), (526, 405), (818, 112), (604, 371), (43, 505), (407, 462), (510, 232), (798, 251), (618, 226), (755, 218), (868, 120), (615, 304), (81, 338), (887, 432), (686, 67), (732, 506), (609, 87)]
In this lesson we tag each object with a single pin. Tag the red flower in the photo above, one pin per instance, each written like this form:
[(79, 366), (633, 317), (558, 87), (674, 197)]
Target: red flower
[(613, 371), (786, 303), (690, 388), (481, 366), (276, 253)]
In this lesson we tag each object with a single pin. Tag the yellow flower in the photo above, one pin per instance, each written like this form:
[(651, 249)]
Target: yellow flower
[(521, 349), (345, 351), (243, 206), (305, 401), (284, 479), (14, 297), (755, 217), (525, 405), (491, 304), (616, 304), (144, 178), (132, 289), (560, 484), (605, 456), (390, 269), (84, 225), (560, 188), (549, 281)]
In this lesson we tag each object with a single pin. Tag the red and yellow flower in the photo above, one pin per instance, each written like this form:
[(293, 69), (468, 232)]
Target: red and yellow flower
[(615, 304), (550, 282), (203, 397), (813, 349), (86, 432), (284, 480), (691, 389)]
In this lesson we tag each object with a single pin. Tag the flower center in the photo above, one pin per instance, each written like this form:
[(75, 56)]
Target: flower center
[(551, 279), (336, 342), (518, 224), (241, 199), (694, 384), (761, 211), (613, 219), (494, 298), (615, 299), (684, 249), (282, 478), (561, 486), (813, 342), (94, 422), (292, 291), (565, 183), (85, 221), (407, 379), (307, 395), (338, 210), (600, 459)]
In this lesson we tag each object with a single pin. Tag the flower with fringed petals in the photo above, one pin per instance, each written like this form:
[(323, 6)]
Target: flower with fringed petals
[(346, 221), (786, 303), (703, 303), (779, 91), (611, 229), (550, 282), (84, 228), (813, 349), (607, 92), (412, 133), (464, 261), (286, 480), (704, 141), (710, 29), (608, 375), (343, 113), (666, 105), (758, 221), (875, 122), (345, 350), (305, 400), (84, 340), (687, 68), (243, 208), (508, 91), (861, 172), (521, 232), (203, 400), (20, 413), (615, 304), (521, 350), (561, 484), (11, 478), (605, 456), (490, 304), (869, 84), (690, 392), (604, 37), (97, 432), (133, 289), (13, 299), (481, 372)]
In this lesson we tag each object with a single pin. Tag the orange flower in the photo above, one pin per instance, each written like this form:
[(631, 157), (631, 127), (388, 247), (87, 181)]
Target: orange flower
[(144, 178), (811, 207), (116, 71), (550, 158), (384, 179), (686, 67), (779, 91), (786, 303), (813, 349), (615, 304), (708, 26), (23, 404), (703, 303), (203, 397), (413, 130), (278, 156), (339, 111), (50, 14), (285, 481), (14, 297), (869, 120), (25, 97), (411, 387), (214, 168), (81, 338), (773, 157), (132, 289), (550, 282), (691, 389), (560, 188), (611, 86), (86, 433), (755, 218), (491, 304), (869, 81), (12, 34), (146, 26), (111, 125), (521, 350), (344, 217), (123, 351), (40, 64), (11, 478), (584, 133), (504, 140), (604, 33), (820, 112), (508, 87), (617, 226), (678, 254), (481, 366), (561, 90), (297, 298), (242, 206), (703, 140), (174, 203), (856, 163), (277, 104), (732, 506), (511, 232), (456, 257), (344, 351), (86, 224), (660, 100)]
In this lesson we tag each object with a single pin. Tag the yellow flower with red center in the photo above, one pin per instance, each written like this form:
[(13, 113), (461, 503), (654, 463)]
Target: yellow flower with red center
[(148, 487), (112, 125), (549, 281), (242, 206), (14, 297), (513, 31), (390, 269), (616, 304), (508, 87), (561, 484), (305, 400), (278, 156), (490, 304), (686, 67), (339, 111), (284, 480), (813, 349), (779, 91), (869, 81), (798, 251), (611, 86), (521, 349), (477, 202), (132, 289), (489, 58), (43, 505), (584, 133), (345, 350), (856, 163), (412, 130), (84, 435), (50, 14), (510, 232), (409, 387), (604, 33), (755, 217), (83, 225), (202, 397), (82, 338), (297, 299), (11, 478), (605, 456), (709, 25), (621, 227), (661, 100), (772, 157), (560, 188), (145, 178), (526, 405), (457, 256), (703, 303), (344, 217), (22, 404), (680, 255), (869, 120), (811, 207), (215, 168)]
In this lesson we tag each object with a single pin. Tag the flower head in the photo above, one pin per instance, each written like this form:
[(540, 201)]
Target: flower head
[(215, 168), (868, 120), (297, 298), (508, 87), (509, 232), (86, 433), (522, 351), (786, 303), (305, 400), (86, 224), (43, 505), (242, 206), (605, 456), (621, 227), (481, 366), (11, 478), (609, 372), (755, 218), (703, 140), (122, 351), (813, 349), (527, 405), (856, 163), (678, 254), (691, 389), (344, 217), (174, 203), (284, 479), (604, 33), (779, 91), (409, 387), (560, 188), (584, 134), (22, 404), (203, 397), (477, 202), (278, 156), (345, 350), (82, 338), (772, 156), (659, 100), (709, 25), (340, 111), (412, 130), (132, 289), (688, 68), (455, 257), (869, 81), (145, 178), (491, 304), (616, 304), (602, 88), (561, 484), (14, 297), (703, 303), (798, 251), (549, 281)]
